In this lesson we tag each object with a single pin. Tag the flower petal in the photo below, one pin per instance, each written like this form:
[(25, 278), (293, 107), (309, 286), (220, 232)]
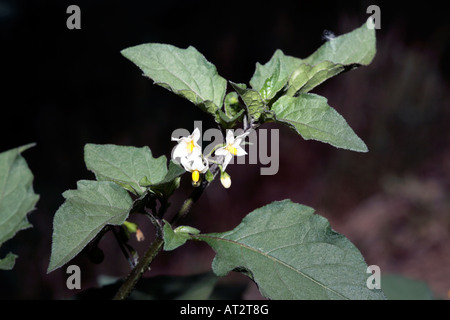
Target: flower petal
[(230, 137), (239, 139), (195, 135), (199, 164), (243, 135), (206, 166), (240, 151), (186, 163), (180, 150), (196, 151), (226, 161), (222, 151)]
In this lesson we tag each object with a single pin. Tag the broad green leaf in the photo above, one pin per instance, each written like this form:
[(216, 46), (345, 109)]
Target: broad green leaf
[(186, 72), (176, 238), (17, 197), (273, 84), (124, 165), (397, 287), (273, 76), (305, 78), (311, 117), (173, 172), (292, 253), (357, 47), (171, 181), (346, 52), (252, 100), (339, 54), (86, 210), (168, 184)]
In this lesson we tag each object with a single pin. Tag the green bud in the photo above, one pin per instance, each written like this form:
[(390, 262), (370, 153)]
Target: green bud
[(186, 229)]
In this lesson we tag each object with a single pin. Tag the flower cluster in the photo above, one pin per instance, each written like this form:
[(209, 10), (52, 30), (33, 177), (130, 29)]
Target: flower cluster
[(189, 154)]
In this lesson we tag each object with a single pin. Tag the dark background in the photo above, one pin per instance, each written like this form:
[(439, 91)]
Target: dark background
[(64, 88)]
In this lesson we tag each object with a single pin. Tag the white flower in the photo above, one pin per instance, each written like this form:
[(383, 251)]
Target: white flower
[(196, 165), (232, 148), (187, 146)]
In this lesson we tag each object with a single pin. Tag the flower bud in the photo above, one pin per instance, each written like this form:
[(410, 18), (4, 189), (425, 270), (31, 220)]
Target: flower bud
[(225, 179), (139, 235)]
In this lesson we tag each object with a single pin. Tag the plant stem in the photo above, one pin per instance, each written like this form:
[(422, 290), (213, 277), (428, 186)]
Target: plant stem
[(156, 246), (137, 272)]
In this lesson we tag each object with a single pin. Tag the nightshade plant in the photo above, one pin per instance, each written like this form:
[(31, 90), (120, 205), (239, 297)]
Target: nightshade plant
[(284, 247)]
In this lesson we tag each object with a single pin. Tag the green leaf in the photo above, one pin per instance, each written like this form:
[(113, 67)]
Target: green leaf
[(176, 238), (17, 197), (173, 172), (86, 210), (169, 183), (7, 263), (343, 53), (305, 78), (311, 117), (186, 72), (273, 84), (292, 253), (124, 165), (355, 48), (273, 76), (252, 100)]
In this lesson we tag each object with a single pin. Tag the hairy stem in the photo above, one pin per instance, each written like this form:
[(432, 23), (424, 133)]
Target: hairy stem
[(137, 272)]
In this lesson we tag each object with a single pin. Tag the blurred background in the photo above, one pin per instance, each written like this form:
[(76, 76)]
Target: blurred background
[(64, 88)]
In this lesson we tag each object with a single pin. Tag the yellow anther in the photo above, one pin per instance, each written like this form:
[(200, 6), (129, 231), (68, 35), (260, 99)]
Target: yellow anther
[(195, 176), (190, 146), (232, 150)]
